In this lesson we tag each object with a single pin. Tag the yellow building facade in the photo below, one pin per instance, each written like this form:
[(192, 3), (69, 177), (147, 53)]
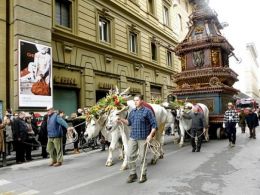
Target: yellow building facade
[(96, 45)]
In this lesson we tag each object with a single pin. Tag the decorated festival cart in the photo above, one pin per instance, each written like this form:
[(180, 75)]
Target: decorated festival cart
[(206, 76)]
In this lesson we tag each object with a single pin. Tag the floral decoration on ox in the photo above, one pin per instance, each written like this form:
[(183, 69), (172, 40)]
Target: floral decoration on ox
[(156, 100), (113, 100), (177, 104)]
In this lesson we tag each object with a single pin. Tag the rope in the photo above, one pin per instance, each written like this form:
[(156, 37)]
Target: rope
[(154, 146)]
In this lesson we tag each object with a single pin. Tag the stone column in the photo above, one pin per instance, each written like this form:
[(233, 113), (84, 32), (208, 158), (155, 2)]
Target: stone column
[(89, 87), (147, 93), (32, 21), (3, 52)]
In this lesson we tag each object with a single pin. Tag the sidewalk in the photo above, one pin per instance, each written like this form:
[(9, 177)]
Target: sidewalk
[(36, 154)]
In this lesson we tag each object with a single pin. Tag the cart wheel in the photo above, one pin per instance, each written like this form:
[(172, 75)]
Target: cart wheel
[(218, 133)]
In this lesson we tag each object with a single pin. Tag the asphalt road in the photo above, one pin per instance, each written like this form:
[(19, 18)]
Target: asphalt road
[(217, 169)]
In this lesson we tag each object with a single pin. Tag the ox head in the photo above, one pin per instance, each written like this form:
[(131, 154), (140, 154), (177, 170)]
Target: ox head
[(112, 120), (187, 108), (94, 126)]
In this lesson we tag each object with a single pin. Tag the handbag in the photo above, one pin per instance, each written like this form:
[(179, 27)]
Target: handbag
[(40, 88)]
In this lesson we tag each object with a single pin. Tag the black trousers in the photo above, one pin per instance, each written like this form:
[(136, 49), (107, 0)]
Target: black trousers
[(64, 139), (252, 132), (28, 149), (44, 149), (231, 132), (196, 133), (20, 151)]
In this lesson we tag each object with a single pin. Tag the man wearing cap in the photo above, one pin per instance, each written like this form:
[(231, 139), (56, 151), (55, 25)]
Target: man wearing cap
[(55, 134), (198, 126), (230, 122)]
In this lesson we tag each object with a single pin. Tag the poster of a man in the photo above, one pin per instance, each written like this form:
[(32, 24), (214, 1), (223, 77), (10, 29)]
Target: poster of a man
[(35, 84)]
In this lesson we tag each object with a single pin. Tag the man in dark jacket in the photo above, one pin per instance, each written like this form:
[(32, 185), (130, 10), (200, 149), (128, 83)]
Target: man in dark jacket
[(55, 135), (252, 122), (43, 136), (198, 126), (80, 125), (20, 130)]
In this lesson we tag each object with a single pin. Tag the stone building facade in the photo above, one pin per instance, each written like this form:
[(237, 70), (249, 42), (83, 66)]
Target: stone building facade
[(96, 45)]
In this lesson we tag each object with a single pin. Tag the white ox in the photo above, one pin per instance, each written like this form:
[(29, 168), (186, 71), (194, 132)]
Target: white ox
[(162, 117), (185, 124), (94, 127)]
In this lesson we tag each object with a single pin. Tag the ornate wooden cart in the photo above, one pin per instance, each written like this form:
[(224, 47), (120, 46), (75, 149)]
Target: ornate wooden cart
[(206, 76)]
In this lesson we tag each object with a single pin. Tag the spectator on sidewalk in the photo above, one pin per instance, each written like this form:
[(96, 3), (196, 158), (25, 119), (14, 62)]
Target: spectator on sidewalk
[(43, 136), (9, 135), (55, 135), (64, 131), (2, 146), (29, 142), (20, 130), (79, 125), (252, 122)]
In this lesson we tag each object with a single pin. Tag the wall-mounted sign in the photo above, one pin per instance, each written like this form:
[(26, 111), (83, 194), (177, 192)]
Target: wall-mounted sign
[(64, 80), (35, 75), (135, 90), (106, 86)]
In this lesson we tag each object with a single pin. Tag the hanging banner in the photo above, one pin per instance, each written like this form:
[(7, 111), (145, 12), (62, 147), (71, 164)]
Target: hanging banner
[(35, 75)]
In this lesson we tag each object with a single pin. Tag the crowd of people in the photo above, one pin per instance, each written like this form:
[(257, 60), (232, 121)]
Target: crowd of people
[(21, 130), (23, 134), (246, 118)]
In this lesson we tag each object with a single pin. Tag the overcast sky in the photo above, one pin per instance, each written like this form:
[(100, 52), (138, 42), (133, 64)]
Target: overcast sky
[(243, 19)]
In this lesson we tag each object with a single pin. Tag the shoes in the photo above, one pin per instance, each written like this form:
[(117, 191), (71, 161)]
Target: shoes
[(250, 137), (53, 163), (132, 178), (232, 145), (254, 137), (76, 151), (198, 150), (193, 150), (143, 179), (57, 164)]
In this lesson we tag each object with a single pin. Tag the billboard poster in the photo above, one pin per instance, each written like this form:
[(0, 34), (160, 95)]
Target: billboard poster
[(35, 75)]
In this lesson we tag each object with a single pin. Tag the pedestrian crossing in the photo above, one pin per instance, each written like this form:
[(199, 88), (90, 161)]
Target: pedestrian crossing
[(9, 188)]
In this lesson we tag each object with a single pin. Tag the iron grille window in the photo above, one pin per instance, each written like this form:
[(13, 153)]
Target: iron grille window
[(63, 13), (133, 42), (104, 30), (154, 51)]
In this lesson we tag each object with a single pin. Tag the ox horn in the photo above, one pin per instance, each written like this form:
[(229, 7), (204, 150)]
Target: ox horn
[(125, 92)]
